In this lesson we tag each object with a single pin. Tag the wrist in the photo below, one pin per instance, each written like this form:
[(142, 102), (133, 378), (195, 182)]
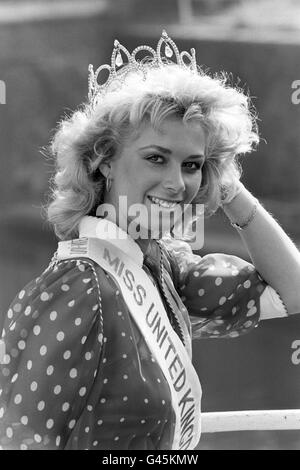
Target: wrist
[(242, 209)]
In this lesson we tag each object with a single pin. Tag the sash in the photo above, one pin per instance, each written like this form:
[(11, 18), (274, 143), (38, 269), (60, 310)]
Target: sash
[(147, 310)]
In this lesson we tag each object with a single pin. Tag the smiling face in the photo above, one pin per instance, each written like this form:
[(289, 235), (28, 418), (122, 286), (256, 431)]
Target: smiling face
[(158, 168)]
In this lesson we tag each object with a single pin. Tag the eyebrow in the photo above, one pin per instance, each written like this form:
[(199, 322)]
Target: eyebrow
[(168, 151)]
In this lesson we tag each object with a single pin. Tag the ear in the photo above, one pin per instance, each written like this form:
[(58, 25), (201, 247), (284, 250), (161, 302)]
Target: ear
[(105, 168)]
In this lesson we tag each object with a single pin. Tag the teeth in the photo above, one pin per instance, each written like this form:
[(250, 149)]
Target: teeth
[(161, 202)]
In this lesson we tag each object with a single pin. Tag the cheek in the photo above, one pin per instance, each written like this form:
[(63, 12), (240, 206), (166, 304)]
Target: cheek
[(194, 184)]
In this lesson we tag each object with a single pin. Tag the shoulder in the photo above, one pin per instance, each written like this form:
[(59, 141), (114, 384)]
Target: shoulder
[(62, 290)]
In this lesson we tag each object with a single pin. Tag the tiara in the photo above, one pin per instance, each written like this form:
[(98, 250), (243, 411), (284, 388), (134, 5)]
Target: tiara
[(120, 68)]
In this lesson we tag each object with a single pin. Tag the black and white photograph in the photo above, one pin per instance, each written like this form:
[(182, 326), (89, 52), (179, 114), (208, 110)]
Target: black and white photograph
[(149, 227)]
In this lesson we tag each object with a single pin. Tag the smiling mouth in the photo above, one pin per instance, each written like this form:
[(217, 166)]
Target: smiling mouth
[(163, 202)]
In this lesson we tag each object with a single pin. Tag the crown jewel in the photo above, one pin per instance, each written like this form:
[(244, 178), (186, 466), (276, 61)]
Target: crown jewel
[(166, 50)]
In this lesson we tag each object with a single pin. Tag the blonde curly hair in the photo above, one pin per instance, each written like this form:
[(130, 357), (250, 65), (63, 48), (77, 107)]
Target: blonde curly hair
[(94, 133)]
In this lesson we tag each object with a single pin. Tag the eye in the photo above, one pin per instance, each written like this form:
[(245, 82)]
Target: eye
[(193, 166), (156, 159)]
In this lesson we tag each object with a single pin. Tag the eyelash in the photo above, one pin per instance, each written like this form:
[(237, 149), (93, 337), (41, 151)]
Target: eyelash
[(198, 164)]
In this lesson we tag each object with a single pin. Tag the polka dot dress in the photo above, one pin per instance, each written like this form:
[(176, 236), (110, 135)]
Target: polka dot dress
[(77, 374)]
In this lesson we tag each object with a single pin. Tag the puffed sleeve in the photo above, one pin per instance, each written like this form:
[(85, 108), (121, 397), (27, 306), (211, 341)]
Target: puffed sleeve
[(221, 292), (53, 338)]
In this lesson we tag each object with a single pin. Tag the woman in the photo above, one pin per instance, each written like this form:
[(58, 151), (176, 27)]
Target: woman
[(98, 348)]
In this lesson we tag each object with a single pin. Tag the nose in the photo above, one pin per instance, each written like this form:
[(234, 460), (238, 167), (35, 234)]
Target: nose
[(174, 181)]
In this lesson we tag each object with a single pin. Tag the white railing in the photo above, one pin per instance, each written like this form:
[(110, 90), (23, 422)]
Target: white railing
[(257, 420)]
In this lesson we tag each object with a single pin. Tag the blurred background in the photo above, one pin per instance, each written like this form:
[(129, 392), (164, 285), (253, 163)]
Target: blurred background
[(45, 49)]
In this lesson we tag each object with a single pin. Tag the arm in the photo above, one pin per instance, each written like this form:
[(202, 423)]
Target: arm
[(273, 253)]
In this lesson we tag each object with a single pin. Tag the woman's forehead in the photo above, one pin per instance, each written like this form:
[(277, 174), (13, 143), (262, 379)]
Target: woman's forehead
[(172, 132)]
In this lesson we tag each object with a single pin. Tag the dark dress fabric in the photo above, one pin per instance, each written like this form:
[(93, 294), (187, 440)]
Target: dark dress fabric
[(77, 374)]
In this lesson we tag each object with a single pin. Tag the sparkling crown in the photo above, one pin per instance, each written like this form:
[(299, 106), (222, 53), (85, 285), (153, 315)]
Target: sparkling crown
[(118, 70)]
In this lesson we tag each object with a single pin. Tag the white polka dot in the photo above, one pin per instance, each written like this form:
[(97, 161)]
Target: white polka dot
[(105, 381), (50, 370), (247, 284), (248, 324), (251, 303), (103, 400), (72, 423), (201, 292), (95, 443), (37, 438), (222, 300), (67, 354), (73, 373), (12, 326), (83, 339), (143, 421), (65, 406), (163, 402), (122, 419), (6, 359), (234, 310), (18, 399), (95, 307), (104, 360), (77, 321), (1, 412), (21, 344), (33, 386), (82, 391), (71, 303), (123, 333), (17, 307), (116, 438), (57, 441), (24, 420), (10, 313), (86, 429), (100, 338), (57, 389), (23, 447), (9, 432), (44, 296), (120, 314), (125, 398), (99, 422), (27, 311), (53, 315), (125, 376), (86, 280), (196, 274), (41, 405), (43, 350), (146, 400), (251, 312), (60, 336), (14, 378), (21, 294), (124, 356), (90, 290), (218, 281), (36, 330), (233, 334), (88, 356), (49, 423), (65, 287)]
